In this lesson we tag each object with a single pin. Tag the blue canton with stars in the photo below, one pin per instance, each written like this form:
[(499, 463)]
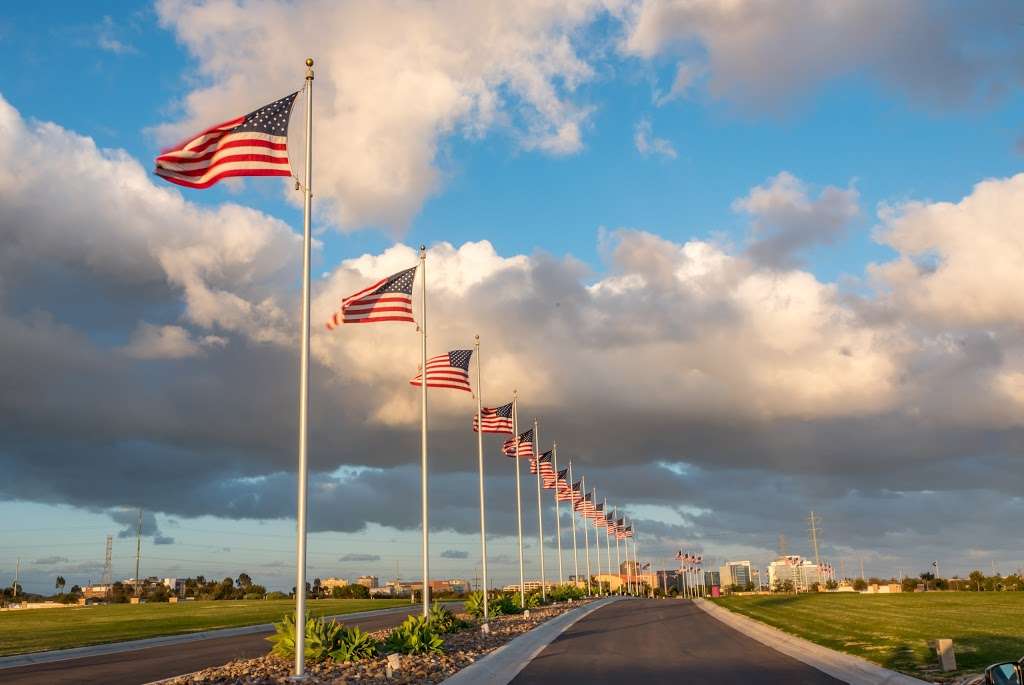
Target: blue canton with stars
[(459, 359), (399, 283), (272, 119)]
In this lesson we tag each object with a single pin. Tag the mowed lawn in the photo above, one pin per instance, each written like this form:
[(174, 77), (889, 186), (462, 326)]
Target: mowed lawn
[(893, 630), (35, 630)]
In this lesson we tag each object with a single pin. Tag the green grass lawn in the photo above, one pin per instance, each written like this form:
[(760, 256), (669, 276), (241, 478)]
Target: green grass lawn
[(35, 630), (893, 630)]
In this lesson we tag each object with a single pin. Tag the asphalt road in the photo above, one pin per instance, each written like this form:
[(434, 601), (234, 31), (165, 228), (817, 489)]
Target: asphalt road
[(657, 642), (156, 663)]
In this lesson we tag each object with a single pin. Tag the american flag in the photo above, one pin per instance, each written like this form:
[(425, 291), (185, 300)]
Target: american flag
[(620, 529), (628, 531), (680, 556), (449, 370), (557, 483), (389, 299), (547, 471), (508, 448), (598, 515), (252, 145), (585, 504), (609, 523), (495, 419)]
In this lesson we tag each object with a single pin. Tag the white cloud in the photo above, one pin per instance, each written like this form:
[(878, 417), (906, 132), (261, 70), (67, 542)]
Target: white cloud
[(647, 144), (960, 263), (393, 81), (687, 74), (161, 342), (763, 54), (785, 219)]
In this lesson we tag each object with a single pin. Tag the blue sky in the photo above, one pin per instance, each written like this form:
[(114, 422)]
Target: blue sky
[(112, 72)]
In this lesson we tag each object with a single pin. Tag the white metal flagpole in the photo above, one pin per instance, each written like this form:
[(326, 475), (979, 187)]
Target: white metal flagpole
[(572, 514), (558, 514), (300, 514), (597, 541), (618, 559), (424, 496), (630, 571), (480, 460), (607, 542), (586, 533), (519, 499), (540, 510)]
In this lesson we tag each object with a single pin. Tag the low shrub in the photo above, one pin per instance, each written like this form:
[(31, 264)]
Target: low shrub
[(442, 620), (415, 636), (353, 644), (475, 605), (505, 603)]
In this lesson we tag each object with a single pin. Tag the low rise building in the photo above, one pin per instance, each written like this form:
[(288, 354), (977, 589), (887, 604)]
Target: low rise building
[(329, 584), (736, 573), (369, 582)]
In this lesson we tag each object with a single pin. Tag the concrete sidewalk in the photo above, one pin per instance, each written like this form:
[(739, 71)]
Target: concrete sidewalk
[(503, 664)]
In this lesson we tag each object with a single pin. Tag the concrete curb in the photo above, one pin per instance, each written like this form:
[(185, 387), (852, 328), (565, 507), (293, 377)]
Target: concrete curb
[(503, 664), (135, 645), (846, 667)]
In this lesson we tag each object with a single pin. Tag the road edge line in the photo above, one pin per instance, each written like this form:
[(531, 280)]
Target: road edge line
[(105, 648), (502, 665), (849, 668)]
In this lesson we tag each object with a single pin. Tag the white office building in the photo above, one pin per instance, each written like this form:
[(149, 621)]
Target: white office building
[(738, 573)]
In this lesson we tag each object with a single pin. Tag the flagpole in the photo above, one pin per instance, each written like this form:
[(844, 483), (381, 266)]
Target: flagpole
[(572, 515), (519, 500), (597, 541), (629, 570), (558, 513), (480, 463), (607, 543), (636, 562), (540, 509), (618, 558), (586, 533), (300, 514)]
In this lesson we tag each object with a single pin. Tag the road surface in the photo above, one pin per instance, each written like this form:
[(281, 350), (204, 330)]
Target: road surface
[(156, 663), (662, 642)]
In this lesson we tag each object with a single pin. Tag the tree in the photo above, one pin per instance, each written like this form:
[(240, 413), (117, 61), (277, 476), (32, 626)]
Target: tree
[(831, 584), (60, 584), (860, 585), (244, 581), (76, 590), (317, 591), (909, 584)]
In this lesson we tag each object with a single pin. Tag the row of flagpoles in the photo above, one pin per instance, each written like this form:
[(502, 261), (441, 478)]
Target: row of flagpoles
[(256, 144)]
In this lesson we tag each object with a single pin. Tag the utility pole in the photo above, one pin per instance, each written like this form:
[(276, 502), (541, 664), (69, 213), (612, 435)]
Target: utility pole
[(17, 575), (138, 552), (813, 521), (862, 569), (782, 545)]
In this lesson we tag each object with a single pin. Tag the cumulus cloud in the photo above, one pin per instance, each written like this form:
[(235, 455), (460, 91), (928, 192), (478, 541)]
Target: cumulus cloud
[(678, 359), (50, 561), (763, 54), (359, 557), (454, 554), (393, 80), (647, 144), (786, 220)]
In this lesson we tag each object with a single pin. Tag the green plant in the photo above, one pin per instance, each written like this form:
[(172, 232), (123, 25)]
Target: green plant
[(353, 644), (475, 605), (322, 638), (442, 620), (415, 636), (505, 604)]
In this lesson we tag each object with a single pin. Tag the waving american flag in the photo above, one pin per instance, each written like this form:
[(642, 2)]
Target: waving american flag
[(449, 370), (508, 448), (255, 144), (389, 299), (495, 419)]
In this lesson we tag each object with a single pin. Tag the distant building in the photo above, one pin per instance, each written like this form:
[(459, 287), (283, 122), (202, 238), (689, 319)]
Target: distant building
[(803, 573), (328, 584), (369, 582), (529, 585), (713, 578), (738, 573)]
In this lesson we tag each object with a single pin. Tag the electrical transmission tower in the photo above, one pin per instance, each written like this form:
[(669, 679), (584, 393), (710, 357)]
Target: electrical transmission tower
[(782, 545), (108, 567), (138, 551), (814, 521)]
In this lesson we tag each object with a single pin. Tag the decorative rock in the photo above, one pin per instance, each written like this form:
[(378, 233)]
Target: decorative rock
[(394, 665)]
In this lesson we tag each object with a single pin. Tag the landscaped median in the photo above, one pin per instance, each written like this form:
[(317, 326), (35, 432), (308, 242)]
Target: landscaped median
[(417, 652), (893, 631)]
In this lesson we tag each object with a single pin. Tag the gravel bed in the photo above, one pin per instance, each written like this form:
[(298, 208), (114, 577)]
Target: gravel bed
[(461, 650)]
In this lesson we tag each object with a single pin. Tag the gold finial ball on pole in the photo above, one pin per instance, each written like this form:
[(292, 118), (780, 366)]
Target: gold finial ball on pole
[(478, 337), (309, 61)]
